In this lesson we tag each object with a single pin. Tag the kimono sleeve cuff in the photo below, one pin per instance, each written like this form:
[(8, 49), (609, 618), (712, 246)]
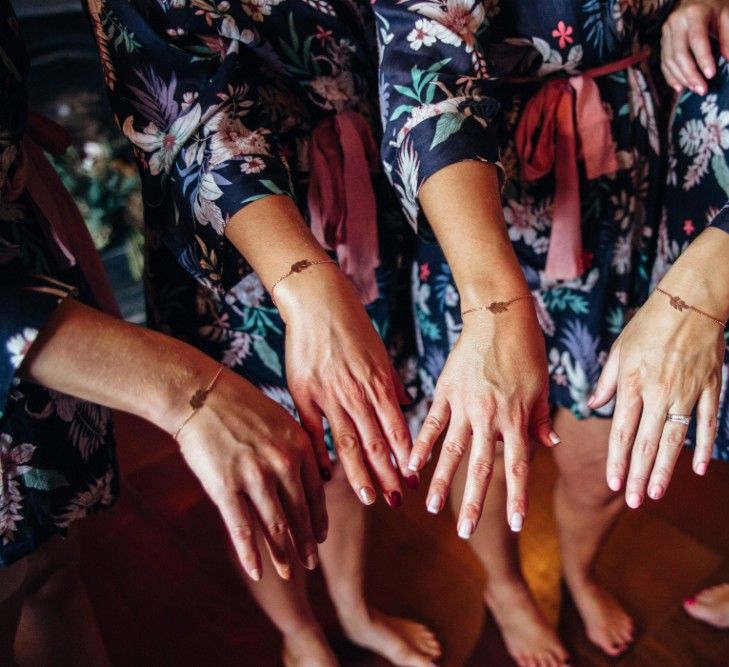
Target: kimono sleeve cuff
[(25, 310), (435, 143), (721, 219)]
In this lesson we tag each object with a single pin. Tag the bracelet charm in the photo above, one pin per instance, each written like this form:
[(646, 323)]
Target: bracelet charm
[(497, 307), (677, 303), (198, 400)]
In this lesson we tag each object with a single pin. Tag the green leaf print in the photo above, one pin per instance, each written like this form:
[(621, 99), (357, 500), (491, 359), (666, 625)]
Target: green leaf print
[(448, 123), (267, 355), (560, 299), (44, 480), (721, 172), (615, 321)]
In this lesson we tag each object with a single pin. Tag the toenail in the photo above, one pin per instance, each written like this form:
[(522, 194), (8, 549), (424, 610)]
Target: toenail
[(689, 601)]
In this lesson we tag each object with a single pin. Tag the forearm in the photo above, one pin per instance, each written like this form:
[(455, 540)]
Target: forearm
[(85, 353), (463, 205)]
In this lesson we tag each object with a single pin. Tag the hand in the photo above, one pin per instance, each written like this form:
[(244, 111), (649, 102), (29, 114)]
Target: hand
[(493, 387), (685, 45), (337, 367), (664, 361), (256, 464)]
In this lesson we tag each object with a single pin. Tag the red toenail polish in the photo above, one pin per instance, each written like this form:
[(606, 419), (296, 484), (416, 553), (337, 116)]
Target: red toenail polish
[(325, 474), (393, 499), (689, 601), (413, 481)]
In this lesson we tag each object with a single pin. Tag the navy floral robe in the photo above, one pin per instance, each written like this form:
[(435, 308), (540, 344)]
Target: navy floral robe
[(696, 194), (57, 461), (219, 101), (455, 78)]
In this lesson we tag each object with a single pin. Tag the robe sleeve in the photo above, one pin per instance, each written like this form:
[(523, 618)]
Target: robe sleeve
[(434, 93), (200, 134), (721, 219)]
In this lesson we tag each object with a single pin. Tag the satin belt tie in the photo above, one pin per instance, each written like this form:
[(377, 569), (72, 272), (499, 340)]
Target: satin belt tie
[(562, 122), (58, 214), (342, 206)]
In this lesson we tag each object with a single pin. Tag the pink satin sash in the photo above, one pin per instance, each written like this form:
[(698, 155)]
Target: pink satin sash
[(341, 200), (564, 114)]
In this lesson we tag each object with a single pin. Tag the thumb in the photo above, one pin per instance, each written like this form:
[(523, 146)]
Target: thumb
[(540, 422), (607, 384)]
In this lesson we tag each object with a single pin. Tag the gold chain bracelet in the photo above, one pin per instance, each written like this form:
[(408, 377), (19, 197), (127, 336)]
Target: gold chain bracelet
[(680, 305), (497, 307), (298, 267), (198, 400)]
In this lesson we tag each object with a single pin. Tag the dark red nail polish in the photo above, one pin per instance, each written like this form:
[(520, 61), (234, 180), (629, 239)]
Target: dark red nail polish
[(413, 481), (689, 601), (326, 474), (393, 498)]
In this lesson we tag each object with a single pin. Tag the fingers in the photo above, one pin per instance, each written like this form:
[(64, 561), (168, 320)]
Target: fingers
[(607, 383), (723, 29), (706, 425), (395, 428), (622, 433), (377, 452), (673, 76), (349, 451), (311, 421), (540, 422), (698, 37), (239, 524), (315, 498), (296, 508), (480, 470), (454, 447), (670, 446), (433, 426), (683, 59), (645, 448), (516, 464)]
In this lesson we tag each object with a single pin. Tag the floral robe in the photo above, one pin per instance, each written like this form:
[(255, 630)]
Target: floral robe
[(449, 92), (696, 194), (219, 100), (57, 461)]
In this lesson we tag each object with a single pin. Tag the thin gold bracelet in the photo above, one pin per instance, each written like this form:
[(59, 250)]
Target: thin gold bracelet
[(497, 307), (680, 305), (198, 400), (298, 267)]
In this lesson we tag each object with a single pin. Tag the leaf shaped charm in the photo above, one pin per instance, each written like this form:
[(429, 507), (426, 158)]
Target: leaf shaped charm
[(678, 303), (499, 307), (300, 266), (198, 398)]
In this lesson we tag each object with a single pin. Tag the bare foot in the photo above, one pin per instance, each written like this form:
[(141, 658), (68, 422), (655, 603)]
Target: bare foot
[(527, 635), (307, 647), (710, 606), (404, 643), (607, 624)]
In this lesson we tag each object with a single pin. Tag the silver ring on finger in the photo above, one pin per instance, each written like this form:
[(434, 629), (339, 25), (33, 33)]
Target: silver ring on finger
[(678, 419)]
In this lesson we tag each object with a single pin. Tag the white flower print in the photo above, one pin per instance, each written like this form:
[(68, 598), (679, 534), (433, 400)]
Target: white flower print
[(690, 136), (13, 462), (97, 494), (521, 222), (453, 22), (704, 139), (19, 345), (163, 144), (258, 9), (423, 34), (408, 166), (248, 292), (252, 164), (239, 349)]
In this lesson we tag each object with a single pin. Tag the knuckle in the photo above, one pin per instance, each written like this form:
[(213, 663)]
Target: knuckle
[(637, 480), (376, 447), (241, 532), (661, 474), (472, 510), (482, 469), (439, 485), (399, 434), (519, 468), (255, 477), (432, 422), (622, 437), (647, 447), (454, 448), (346, 443), (277, 527), (675, 438), (518, 504)]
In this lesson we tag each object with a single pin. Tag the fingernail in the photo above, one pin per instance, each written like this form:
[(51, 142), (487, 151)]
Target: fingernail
[(465, 529), (255, 575), (590, 400), (322, 536), (413, 481), (312, 560), (325, 474), (615, 483), (393, 498), (555, 439), (634, 500), (287, 573), (689, 601), (414, 463), (434, 503), (367, 495), (701, 468), (677, 88), (517, 522), (656, 492)]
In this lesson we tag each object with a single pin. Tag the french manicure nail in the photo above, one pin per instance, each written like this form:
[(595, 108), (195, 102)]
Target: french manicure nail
[(634, 500), (434, 503), (312, 560), (656, 492), (413, 481), (554, 438), (393, 498), (517, 522), (614, 483), (325, 474), (367, 495), (414, 463), (465, 529), (255, 574), (701, 468)]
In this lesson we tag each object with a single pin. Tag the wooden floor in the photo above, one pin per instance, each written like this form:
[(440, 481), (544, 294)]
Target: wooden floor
[(163, 586)]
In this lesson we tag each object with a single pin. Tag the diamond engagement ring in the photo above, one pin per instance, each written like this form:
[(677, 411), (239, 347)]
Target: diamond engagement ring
[(679, 419)]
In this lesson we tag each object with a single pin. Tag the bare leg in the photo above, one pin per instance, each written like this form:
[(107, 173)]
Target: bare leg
[(710, 606), (11, 599), (57, 625), (528, 637), (403, 642), (585, 510)]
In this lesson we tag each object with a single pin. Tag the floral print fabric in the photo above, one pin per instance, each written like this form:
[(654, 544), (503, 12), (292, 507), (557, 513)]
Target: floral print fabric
[(696, 195), (448, 94), (57, 460)]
